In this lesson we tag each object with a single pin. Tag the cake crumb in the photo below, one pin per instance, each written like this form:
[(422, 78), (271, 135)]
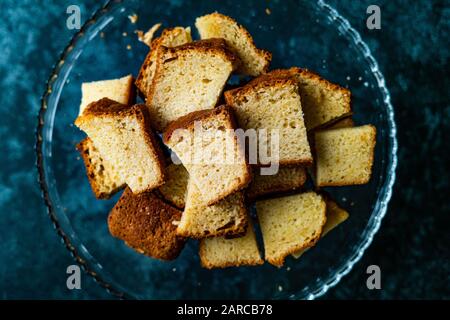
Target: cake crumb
[(268, 12), (148, 36), (133, 18), (128, 47), (174, 269), (288, 268), (124, 34)]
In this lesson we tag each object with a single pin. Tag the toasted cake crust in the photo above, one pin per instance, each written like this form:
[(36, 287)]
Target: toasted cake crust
[(146, 224), (100, 188), (288, 179), (289, 230), (335, 216), (222, 20), (257, 91), (187, 122)]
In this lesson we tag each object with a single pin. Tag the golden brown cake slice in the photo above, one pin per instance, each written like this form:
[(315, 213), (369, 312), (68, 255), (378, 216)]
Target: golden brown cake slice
[(322, 101), (287, 179), (226, 217), (103, 177), (290, 224), (146, 224), (123, 136), (120, 90), (273, 104), (175, 188), (342, 123), (344, 156), (223, 252), (254, 61), (188, 78), (335, 216), (206, 144), (169, 38)]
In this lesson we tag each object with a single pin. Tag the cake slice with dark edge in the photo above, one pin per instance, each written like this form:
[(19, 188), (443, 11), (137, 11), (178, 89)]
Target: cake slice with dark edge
[(335, 216), (272, 105), (206, 159), (170, 37), (121, 90), (147, 224), (175, 188), (188, 78)]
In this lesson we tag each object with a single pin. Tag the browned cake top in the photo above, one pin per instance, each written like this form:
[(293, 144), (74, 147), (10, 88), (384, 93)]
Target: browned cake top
[(146, 223)]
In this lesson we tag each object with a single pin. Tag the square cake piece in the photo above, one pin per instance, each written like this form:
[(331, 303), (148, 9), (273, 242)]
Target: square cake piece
[(335, 216), (103, 177), (273, 105), (188, 78), (288, 178), (344, 156), (323, 102), (254, 61), (123, 136), (120, 90), (146, 224), (169, 38), (290, 224), (175, 188), (226, 217), (206, 144), (222, 252)]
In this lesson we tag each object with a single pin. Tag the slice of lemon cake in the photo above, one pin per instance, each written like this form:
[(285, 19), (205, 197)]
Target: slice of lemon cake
[(344, 156), (226, 217), (290, 224), (206, 144), (146, 224), (254, 61), (222, 252), (188, 78), (272, 106)]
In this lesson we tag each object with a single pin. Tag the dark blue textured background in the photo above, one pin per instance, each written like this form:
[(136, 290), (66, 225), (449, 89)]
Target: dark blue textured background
[(412, 247)]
